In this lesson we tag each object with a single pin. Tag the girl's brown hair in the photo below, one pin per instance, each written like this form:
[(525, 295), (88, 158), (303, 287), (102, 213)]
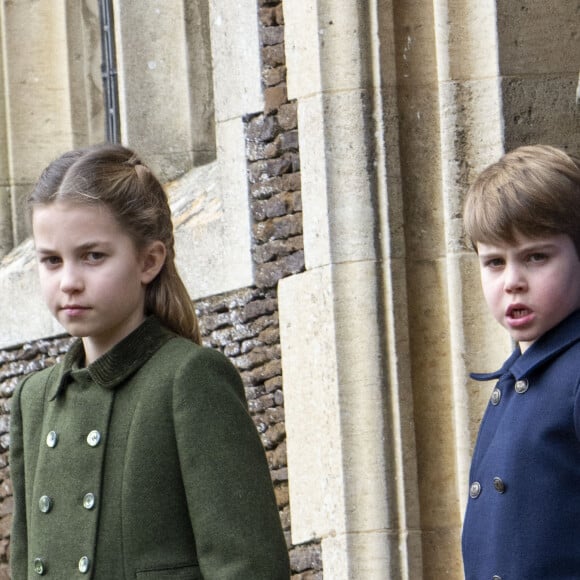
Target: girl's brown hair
[(533, 190), (115, 176)]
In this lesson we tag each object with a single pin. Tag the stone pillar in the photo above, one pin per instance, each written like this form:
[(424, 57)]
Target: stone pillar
[(151, 56), (346, 383), (471, 136), (39, 88), (6, 237)]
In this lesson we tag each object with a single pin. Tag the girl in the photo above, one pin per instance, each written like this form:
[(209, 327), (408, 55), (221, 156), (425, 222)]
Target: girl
[(134, 457)]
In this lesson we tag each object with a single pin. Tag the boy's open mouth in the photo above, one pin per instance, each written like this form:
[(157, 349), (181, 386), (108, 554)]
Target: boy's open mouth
[(518, 312)]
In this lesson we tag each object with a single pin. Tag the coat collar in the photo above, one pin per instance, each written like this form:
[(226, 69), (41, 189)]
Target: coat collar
[(116, 365), (548, 346)]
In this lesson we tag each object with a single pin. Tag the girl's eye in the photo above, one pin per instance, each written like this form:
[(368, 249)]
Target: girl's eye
[(50, 261)]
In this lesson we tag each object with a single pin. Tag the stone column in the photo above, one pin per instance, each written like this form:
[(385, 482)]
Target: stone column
[(343, 322), (151, 56), (39, 91)]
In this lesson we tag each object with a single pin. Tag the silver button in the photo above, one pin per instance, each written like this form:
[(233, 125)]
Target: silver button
[(84, 565), (496, 577), (39, 566), (495, 396), (45, 504), (499, 484), (475, 489), (89, 501), (521, 386), (52, 439), (94, 438)]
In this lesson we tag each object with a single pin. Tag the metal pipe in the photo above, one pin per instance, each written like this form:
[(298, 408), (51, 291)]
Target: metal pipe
[(109, 71)]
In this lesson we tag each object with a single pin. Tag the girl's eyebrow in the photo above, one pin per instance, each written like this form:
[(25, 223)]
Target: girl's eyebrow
[(82, 248)]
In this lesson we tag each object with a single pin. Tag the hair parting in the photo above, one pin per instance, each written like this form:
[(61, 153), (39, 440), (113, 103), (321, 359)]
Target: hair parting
[(115, 176)]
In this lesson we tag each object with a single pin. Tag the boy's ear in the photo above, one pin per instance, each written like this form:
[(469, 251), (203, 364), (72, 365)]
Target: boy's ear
[(152, 260)]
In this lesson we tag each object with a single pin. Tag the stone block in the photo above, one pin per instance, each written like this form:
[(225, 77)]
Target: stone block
[(332, 397), (237, 58), (336, 222), (541, 109), (538, 37)]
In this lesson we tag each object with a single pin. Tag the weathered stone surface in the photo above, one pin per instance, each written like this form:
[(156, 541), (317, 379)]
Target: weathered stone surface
[(305, 557), (273, 55), (271, 35), (277, 248), (274, 76), (268, 274), (275, 97), (243, 323)]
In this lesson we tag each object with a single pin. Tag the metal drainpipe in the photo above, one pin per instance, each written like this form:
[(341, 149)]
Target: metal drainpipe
[(109, 71)]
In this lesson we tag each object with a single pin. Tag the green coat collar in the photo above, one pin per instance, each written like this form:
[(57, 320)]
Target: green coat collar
[(116, 365)]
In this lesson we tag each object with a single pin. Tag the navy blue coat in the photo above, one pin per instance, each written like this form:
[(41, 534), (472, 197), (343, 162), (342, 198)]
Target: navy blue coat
[(523, 514)]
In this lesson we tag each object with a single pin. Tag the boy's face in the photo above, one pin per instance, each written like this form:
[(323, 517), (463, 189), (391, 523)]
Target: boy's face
[(530, 285)]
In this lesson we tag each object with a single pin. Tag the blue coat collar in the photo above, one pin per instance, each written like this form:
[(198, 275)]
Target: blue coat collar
[(548, 346)]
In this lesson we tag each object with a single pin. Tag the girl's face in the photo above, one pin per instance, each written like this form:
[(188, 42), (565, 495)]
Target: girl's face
[(92, 277), (532, 285)]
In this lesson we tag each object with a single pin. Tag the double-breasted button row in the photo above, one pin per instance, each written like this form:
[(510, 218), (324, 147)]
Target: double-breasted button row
[(41, 568), (93, 438), (45, 503), (520, 387), (475, 488)]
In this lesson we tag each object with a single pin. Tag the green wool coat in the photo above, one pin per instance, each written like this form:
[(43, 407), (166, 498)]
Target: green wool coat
[(144, 465)]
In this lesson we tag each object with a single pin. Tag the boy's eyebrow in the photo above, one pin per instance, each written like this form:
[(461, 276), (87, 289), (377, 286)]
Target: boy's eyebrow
[(539, 245), (532, 246)]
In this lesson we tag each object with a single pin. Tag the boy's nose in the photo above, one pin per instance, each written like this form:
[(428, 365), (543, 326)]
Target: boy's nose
[(514, 279)]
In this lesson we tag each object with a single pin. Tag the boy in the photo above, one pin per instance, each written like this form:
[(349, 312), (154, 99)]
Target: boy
[(522, 216)]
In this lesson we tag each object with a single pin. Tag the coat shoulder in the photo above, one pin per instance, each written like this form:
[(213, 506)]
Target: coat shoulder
[(33, 387)]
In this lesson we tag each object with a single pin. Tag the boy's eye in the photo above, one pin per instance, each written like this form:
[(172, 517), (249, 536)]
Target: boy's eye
[(537, 257), (93, 257), (494, 263)]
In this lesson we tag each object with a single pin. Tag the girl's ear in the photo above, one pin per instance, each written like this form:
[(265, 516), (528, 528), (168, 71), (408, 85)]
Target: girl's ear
[(152, 260)]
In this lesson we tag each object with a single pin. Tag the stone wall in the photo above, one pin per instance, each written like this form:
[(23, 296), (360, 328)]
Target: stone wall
[(243, 324)]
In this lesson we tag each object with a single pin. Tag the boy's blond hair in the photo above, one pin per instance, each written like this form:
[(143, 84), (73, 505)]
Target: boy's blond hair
[(533, 190)]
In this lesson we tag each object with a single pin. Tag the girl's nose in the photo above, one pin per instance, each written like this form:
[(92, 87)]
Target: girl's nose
[(71, 280)]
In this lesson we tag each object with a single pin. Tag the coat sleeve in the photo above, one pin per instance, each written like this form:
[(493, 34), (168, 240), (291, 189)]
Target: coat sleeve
[(230, 496), (18, 538)]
